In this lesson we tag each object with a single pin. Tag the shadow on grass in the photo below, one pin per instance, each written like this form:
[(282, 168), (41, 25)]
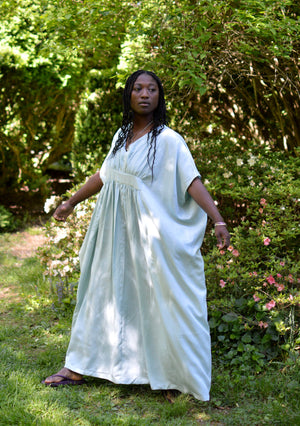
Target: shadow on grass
[(33, 344)]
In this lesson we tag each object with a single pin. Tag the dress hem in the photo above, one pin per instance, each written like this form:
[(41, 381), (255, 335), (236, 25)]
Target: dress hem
[(135, 381)]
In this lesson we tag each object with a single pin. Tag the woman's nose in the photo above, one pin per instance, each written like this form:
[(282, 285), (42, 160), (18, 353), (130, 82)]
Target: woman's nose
[(145, 93)]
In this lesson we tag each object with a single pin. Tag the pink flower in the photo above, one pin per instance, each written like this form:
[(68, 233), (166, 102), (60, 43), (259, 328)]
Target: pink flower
[(265, 284), (261, 210), (271, 280), (255, 273), (267, 241), (270, 305), (291, 297), (256, 298), (222, 252), (291, 279), (262, 324), (235, 253), (263, 202), (230, 248), (222, 283), (280, 287), (282, 263)]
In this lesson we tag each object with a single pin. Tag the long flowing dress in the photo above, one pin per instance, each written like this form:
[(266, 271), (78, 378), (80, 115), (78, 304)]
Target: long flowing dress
[(141, 314)]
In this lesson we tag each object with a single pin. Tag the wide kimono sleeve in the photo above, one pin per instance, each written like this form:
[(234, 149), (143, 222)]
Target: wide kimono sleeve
[(174, 171)]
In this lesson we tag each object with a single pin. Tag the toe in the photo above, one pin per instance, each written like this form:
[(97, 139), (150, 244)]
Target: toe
[(63, 374)]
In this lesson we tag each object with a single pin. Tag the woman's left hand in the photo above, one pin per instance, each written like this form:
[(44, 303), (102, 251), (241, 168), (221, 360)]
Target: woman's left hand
[(223, 236)]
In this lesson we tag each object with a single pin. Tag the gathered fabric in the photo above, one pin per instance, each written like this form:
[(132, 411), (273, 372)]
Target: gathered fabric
[(141, 315)]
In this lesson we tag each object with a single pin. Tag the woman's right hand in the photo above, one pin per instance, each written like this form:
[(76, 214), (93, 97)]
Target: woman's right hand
[(63, 211)]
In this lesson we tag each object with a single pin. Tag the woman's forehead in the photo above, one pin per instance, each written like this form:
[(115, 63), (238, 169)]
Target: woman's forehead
[(145, 79)]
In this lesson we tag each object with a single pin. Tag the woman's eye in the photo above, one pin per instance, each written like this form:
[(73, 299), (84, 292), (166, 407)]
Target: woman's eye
[(138, 89)]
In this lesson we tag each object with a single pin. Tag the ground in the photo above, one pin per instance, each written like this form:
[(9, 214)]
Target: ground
[(25, 245), (34, 335)]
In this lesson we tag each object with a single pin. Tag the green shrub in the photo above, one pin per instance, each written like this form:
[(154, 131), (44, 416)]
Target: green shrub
[(5, 217), (60, 254), (253, 289), (7, 220)]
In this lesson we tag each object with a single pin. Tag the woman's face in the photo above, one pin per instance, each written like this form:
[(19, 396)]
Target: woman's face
[(144, 96)]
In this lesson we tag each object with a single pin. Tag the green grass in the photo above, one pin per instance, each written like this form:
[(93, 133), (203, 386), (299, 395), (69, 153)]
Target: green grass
[(33, 341)]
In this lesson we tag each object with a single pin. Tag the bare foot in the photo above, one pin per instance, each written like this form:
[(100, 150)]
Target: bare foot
[(171, 395), (55, 378)]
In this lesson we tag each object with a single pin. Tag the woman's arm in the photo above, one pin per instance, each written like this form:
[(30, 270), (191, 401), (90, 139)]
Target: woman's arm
[(202, 197), (91, 187)]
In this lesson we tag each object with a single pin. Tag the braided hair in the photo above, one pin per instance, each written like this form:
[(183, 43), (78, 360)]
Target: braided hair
[(159, 117)]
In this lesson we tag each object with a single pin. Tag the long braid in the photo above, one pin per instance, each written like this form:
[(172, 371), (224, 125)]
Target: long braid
[(159, 117)]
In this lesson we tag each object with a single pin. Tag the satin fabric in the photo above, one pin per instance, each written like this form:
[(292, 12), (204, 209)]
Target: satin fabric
[(141, 313)]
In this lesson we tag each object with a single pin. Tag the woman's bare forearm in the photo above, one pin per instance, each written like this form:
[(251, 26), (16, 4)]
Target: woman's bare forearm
[(91, 187), (202, 197)]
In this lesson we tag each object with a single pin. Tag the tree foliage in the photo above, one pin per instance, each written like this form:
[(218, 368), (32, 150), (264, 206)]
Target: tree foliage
[(228, 67), (100, 108), (231, 65), (47, 50), (38, 101)]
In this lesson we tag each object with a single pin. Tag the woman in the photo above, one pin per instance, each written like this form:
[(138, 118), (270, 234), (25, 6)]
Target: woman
[(141, 313)]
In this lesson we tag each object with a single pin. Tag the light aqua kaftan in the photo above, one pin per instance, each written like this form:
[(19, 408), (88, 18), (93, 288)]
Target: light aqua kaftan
[(141, 313)]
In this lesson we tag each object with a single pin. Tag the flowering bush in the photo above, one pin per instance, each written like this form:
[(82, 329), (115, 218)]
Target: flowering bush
[(253, 288), (253, 312), (60, 254)]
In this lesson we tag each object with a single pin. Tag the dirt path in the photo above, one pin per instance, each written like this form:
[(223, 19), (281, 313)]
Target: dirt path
[(14, 248), (27, 244)]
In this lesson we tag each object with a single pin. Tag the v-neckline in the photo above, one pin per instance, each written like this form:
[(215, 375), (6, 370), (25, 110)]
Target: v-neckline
[(132, 143)]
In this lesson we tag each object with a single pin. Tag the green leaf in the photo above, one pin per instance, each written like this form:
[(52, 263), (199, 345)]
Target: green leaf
[(230, 317), (246, 338)]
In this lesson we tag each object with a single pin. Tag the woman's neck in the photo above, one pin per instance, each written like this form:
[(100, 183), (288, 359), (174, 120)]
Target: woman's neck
[(140, 122)]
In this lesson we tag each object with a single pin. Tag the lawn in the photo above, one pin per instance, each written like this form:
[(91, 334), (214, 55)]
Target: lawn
[(33, 340)]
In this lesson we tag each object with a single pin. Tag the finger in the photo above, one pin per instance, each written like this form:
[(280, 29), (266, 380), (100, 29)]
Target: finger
[(58, 217), (226, 241), (220, 243), (223, 240)]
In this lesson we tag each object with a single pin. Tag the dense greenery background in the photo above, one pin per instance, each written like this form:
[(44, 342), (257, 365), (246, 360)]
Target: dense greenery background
[(231, 76), (228, 68)]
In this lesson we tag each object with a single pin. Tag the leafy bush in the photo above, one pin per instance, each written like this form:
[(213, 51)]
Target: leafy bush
[(60, 255), (253, 288), (39, 91), (5, 218), (231, 64), (100, 108)]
